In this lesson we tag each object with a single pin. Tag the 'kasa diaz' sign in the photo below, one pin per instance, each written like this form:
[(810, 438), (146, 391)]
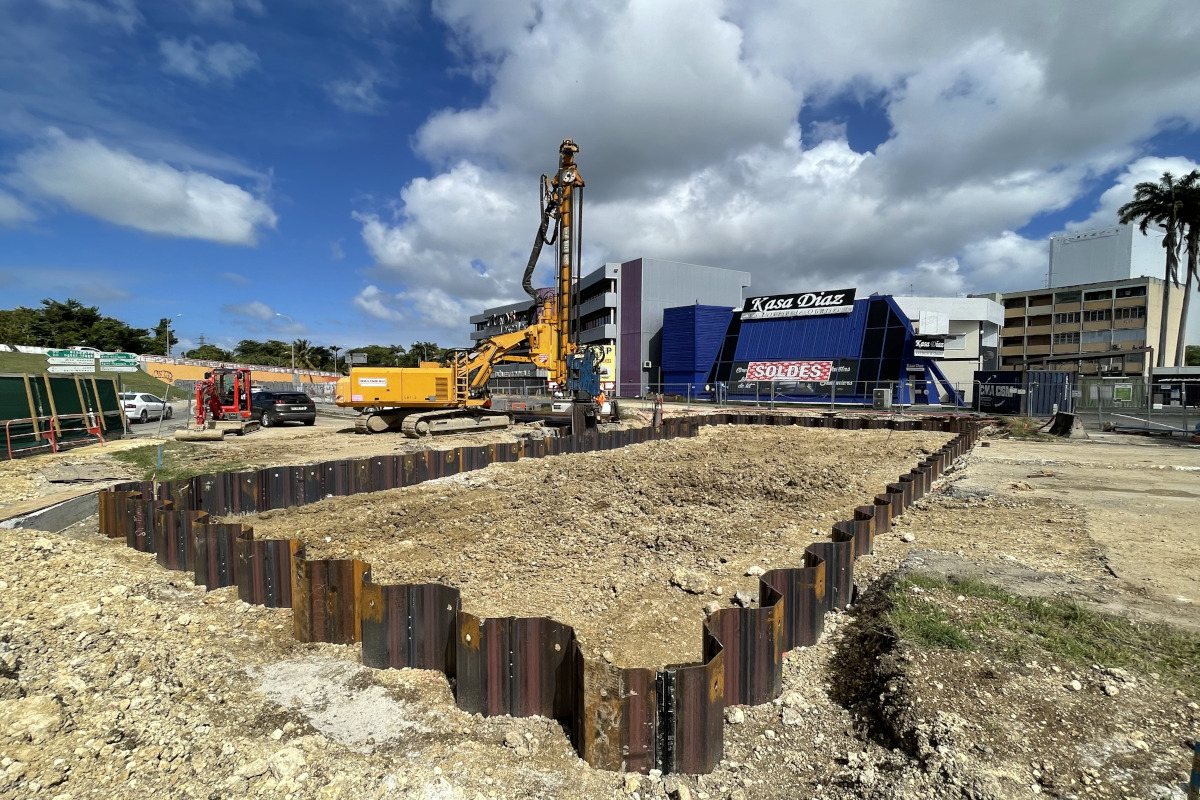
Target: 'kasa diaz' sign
[(804, 304)]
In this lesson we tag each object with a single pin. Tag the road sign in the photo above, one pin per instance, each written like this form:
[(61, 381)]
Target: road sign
[(73, 355), (118, 356), (118, 362), (69, 368), (118, 368), (78, 362)]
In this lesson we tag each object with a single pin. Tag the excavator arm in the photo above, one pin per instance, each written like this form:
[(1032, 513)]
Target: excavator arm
[(478, 363)]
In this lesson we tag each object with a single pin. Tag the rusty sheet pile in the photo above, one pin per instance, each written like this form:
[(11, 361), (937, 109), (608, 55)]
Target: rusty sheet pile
[(633, 719)]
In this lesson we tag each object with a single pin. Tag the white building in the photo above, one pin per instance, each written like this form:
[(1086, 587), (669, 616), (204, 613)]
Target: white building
[(971, 328), (1117, 253)]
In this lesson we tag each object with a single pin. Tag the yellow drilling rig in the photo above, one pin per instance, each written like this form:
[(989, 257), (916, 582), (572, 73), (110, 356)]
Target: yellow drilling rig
[(452, 396)]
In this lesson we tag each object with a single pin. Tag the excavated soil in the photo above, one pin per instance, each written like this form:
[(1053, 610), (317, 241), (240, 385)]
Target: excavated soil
[(121, 680), (596, 540)]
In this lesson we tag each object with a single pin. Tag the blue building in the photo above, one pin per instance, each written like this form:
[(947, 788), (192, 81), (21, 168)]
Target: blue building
[(803, 347)]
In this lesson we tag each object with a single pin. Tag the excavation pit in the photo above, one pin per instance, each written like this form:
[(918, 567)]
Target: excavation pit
[(625, 546)]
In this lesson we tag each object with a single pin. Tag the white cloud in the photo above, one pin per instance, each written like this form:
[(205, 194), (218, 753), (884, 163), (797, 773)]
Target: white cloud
[(375, 302), (357, 96), (192, 58), (686, 115), (236, 278), (255, 310), (432, 311), (122, 13), (335, 250), (223, 10), (13, 212), (1149, 168), (154, 197)]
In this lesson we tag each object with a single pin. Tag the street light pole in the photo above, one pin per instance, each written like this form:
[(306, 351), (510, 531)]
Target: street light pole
[(293, 322)]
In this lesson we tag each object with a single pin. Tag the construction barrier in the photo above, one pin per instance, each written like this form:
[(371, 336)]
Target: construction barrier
[(634, 719)]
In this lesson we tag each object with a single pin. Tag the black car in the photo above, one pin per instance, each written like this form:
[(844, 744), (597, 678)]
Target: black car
[(272, 408)]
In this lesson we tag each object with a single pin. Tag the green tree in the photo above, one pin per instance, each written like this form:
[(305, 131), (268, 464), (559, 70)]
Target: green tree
[(161, 331), (1160, 204), (381, 355), (302, 350), (16, 326), (1192, 355), (422, 351), (322, 358), (71, 323), (272, 353), (209, 352)]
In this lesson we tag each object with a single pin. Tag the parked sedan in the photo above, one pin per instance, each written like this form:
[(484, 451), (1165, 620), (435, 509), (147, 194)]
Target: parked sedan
[(142, 407), (272, 408)]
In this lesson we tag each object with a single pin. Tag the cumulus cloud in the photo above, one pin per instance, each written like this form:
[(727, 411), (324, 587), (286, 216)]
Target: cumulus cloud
[(686, 115), (192, 58), (154, 197), (358, 96), (13, 212)]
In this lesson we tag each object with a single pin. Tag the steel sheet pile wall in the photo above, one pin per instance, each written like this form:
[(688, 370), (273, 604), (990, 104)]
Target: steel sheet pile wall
[(619, 719)]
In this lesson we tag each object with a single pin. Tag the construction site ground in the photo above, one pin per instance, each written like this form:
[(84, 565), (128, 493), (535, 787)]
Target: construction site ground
[(121, 680)]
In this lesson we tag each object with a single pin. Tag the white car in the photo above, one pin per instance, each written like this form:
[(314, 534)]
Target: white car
[(142, 407)]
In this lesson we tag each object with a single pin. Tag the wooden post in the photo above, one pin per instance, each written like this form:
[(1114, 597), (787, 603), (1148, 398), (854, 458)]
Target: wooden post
[(37, 431), (100, 406), (53, 410), (83, 409)]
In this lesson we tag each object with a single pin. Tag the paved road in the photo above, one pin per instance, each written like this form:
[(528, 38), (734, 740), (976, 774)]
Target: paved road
[(150, 429)]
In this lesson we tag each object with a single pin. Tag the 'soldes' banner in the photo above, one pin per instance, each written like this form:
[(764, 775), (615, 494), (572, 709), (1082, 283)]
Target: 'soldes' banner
[(788, 370), (794, 378), (802, 304)]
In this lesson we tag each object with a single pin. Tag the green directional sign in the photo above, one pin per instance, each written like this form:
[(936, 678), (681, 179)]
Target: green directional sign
[(118, 357), (72, 355)]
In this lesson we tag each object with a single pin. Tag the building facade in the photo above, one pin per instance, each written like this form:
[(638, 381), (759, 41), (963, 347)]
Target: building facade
[(1105, 254), (1104, 328), (968, 329), (1112, 254), (621, 312)]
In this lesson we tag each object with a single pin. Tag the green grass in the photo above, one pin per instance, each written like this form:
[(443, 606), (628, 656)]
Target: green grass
[(35, 364), (180, 460), (1018, 628)]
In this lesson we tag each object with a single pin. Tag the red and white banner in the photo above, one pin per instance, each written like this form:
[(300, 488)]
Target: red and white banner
[(788, 370)]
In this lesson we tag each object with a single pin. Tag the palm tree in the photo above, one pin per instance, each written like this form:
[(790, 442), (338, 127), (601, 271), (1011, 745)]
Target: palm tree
[(1189, 188), (303, 350), (1159, 204)]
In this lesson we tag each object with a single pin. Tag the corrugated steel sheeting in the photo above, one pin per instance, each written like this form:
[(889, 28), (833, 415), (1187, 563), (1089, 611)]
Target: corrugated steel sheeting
[(834, 336), (691, 337), (634, 719)]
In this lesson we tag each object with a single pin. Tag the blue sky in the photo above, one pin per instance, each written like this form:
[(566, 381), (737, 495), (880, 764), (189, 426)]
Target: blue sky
[(368, 168)]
